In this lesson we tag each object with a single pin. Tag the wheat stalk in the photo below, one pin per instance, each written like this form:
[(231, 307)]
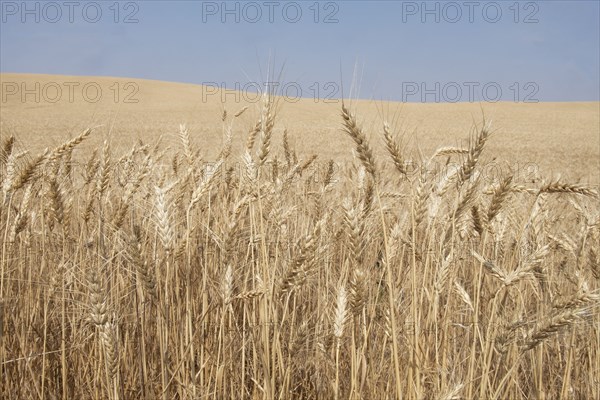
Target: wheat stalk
[(475, 150), (365, 154), (559, 187), (393, 149), (499, 197), (553, 326)]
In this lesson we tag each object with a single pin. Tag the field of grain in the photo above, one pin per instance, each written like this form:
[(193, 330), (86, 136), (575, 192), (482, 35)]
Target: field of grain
[(271, 250)]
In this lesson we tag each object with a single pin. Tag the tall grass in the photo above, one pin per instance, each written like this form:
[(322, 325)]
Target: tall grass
[(272, 275)]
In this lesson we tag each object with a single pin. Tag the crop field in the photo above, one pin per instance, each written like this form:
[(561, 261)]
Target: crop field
[(191, 245)]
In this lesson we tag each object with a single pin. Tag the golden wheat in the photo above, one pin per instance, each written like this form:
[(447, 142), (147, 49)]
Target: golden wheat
[(266, 275)]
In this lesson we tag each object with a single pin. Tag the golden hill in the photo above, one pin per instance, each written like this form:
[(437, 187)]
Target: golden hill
[(45, 110)]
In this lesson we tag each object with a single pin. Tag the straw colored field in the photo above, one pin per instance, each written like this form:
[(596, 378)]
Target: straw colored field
[(237, 265), (556, 137)]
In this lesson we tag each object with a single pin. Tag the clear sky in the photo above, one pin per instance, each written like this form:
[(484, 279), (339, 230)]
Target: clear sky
[(398, 50)]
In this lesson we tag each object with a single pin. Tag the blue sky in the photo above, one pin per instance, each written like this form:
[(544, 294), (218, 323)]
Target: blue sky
[(398, 50)]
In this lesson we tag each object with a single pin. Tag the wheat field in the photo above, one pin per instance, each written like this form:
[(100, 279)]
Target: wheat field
[(251, 265)]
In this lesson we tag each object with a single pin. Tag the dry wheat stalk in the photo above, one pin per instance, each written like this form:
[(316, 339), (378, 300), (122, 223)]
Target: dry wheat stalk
[(11, 174), (499, 197), (450, 176), (301, 265), (594, 262), (98, 301), (564, 243), (355, 228), (57, 208), (393, 149), (22, 216), (367, 199), (27, 172), (422, 195), (466, 200), (184, 137), (252, 136), (251, 294), (492, 268), (449, 151), (475, 149), (462, 293), (358, 291), (110, 343), (287, 150), (227, 286), (328, 180), (104, 172), (267, 122), (365, 154), (554, 325), (67, 147), (339, 319), (240, 112), (477, 220), (6, 149), (583, 298), (91, 167), (231, 233), (442, 274), (136, 254), (163, 218), (205, 184), (559, 187)]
